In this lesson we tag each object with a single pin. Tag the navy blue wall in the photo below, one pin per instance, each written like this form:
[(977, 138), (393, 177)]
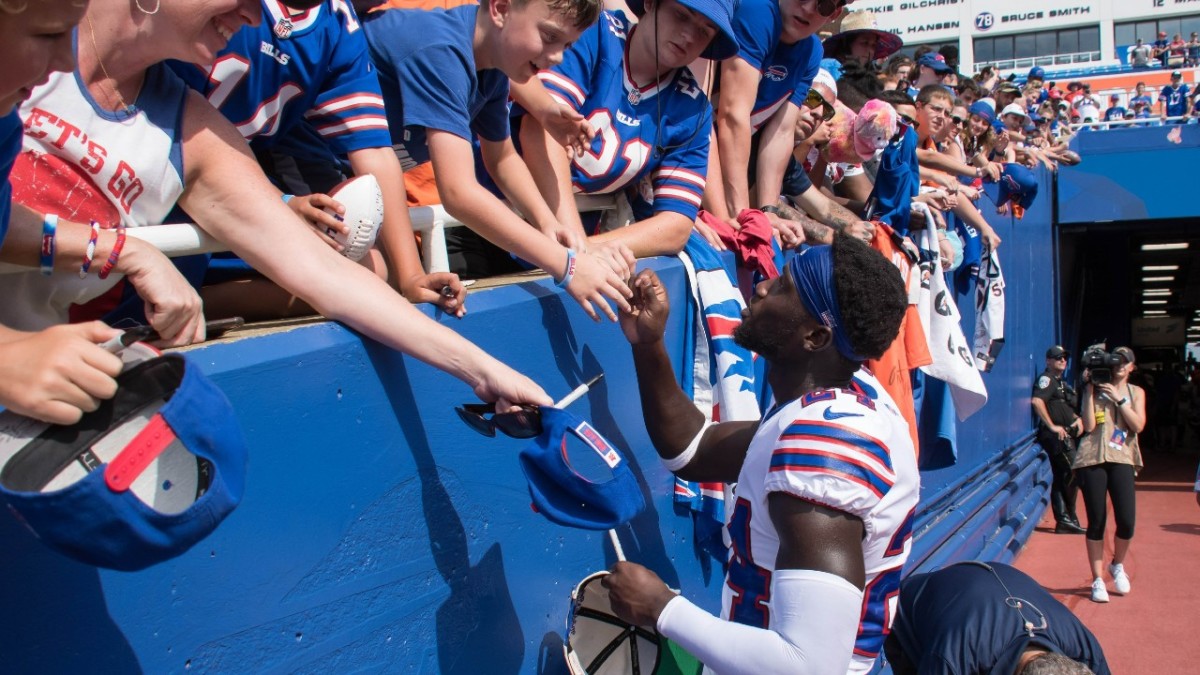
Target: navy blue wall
[(379, 535), (1126, 176)]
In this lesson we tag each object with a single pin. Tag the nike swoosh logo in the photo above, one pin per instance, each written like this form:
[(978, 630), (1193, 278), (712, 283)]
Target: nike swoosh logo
[(830, 415)]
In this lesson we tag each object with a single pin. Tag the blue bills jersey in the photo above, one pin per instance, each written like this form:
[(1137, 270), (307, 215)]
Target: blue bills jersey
[(291, 67), (426, 63), (651, 141), (787, 70)]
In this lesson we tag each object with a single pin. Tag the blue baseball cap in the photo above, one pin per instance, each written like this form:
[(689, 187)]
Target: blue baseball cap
[(1037, 73), (724, 44), (1019, 185), (138, 481), (607, 496), (935, 61), (986, 112)]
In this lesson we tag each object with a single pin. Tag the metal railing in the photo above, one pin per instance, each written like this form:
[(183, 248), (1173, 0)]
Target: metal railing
[(1143, 122), (1030, 62), (182, 239)]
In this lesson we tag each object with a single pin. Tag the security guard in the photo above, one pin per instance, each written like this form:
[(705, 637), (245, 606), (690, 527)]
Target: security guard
[(1055, 404)]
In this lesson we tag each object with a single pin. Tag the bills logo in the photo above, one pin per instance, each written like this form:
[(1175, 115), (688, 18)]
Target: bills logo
[(776, 73), (597, 442), (734, 362)]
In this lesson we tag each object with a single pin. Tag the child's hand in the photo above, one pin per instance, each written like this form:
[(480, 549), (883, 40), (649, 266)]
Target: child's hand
[(312, 209)]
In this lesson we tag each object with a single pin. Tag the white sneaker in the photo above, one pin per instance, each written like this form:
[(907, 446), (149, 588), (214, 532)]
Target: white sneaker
[(1120, 579), (1099, 592)]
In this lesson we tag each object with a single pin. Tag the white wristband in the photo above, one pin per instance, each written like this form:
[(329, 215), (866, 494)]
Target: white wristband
[(681, 460)]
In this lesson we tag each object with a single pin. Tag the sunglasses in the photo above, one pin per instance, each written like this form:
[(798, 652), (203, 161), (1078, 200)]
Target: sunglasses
[(483, 418), (815, 100), (957, 121), (828, 7), (910, 122)]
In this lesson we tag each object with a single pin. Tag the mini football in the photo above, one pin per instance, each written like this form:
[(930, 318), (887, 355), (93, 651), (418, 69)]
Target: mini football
[(364, 214)]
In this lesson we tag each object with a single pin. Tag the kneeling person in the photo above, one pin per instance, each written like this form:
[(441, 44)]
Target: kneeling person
[(826, 482)]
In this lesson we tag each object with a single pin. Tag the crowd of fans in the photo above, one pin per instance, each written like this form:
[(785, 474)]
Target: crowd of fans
[(692, 117)]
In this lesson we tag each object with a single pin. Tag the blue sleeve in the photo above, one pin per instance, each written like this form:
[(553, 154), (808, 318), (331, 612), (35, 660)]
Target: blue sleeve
[(349, 112), (756, 28), (491, 122), (1164, 94), (679, 180), (435, 85), (808, 71), (570, 82)]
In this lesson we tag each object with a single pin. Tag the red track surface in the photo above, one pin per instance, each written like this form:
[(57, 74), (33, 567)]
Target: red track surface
[(1153, 629)]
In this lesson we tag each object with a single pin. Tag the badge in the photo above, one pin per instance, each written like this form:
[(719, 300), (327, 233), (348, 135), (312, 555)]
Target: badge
[(635, 97), (1117, 440), (1043, 382), (283, 29)]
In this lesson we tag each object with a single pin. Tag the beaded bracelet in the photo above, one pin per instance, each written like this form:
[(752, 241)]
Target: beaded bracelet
[(570, 273), (90, 253), (49, 230), (114, 254)]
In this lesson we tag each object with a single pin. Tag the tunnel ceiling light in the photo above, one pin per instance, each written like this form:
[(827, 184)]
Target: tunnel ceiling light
[(1156, 291), (1173, 246), (1159, 268), (1154, 312), (1154, 302), (1151, 280)]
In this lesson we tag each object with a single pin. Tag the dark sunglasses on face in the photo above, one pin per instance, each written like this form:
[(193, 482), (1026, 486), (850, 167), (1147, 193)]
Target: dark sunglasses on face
[(958, 121), (910, 121), (523, 423), (828, 7), (815, 100)]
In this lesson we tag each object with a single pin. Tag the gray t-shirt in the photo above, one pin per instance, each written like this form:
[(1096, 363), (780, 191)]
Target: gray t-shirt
[(1140, 56)]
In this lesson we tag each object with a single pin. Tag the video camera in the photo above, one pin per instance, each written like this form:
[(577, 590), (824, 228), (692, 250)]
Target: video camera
[(1099, 362)]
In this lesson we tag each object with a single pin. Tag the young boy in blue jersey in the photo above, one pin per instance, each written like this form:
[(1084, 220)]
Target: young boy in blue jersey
[(762, 92), (444, 68), (652, 119), (307, 60), (1174, 98)]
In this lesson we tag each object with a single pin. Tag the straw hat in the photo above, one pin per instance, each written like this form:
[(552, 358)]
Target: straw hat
[(853, 24)]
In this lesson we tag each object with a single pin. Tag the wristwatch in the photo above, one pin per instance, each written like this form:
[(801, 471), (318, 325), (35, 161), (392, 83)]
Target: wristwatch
[(1123, 401)]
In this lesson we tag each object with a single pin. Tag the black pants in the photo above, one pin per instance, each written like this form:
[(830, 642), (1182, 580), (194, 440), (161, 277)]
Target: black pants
[(1097, 483), (1063, 490)]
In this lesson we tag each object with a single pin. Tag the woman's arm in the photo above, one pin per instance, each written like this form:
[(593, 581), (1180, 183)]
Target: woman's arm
[(230, 199), (1134, 411), (1088, 414)]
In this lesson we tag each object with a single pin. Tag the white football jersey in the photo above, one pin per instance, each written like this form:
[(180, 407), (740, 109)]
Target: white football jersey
[(849, 450)]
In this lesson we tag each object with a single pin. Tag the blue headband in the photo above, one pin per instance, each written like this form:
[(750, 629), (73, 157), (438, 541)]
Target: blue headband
[(811, 271)]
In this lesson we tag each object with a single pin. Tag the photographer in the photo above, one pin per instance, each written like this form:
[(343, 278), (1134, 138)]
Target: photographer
[(1055, 404), (1114, 412)]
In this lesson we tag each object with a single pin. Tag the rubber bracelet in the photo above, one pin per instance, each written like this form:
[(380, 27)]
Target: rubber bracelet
[(89, 254), (49, 229), (1122, 402), (114, 254), (570, 272)]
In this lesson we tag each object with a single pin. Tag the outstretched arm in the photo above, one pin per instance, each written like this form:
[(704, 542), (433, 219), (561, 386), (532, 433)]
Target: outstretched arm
[(677, 429), (232, 200)]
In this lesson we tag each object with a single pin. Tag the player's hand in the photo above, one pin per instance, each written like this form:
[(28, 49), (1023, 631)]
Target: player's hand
[(637, 594), (710, 235), (312, 209), (172, 306), (568, 128), (58, 374), (616, 255), (594, 281), (646, 320), (496, 382), (443, 289)]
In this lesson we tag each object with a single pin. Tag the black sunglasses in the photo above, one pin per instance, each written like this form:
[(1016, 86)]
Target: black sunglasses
[(828, 7), (910, 121), (483, 418), (814, 99), (957, 120)]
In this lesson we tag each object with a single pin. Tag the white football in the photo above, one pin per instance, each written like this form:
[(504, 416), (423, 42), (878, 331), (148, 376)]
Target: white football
[(363, 202)]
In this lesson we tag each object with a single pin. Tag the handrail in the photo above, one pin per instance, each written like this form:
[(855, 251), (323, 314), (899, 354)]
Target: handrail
[(1143, 122), (182, 239)]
